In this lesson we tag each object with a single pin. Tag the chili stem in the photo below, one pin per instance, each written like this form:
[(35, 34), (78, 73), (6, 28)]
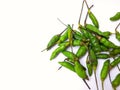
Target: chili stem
[(86, 4), (43, 49), (87, 16), (117, 27), (110, 78), (86, 84), (114, 88), (96, 79), (118, 67), (81, 13), (61, 22), (71, 40), (102, 85), (63, 31), (59, 68)]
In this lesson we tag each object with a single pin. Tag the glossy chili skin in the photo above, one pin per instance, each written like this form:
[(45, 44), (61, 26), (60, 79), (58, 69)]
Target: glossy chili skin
[(89, 66), (67, 65), (105, 70), (70, 34), (70, 55), (116, 81), (74, 43), (81, 51), (95, 30), (64, 37), (79, 69), (107, 34), (115, 52), (117, 35), (57, 51), (102, 56), (78, 36), (94, 43), (93, 59), (115, 17), (77, 43), (103, 48), (93, 19), (107, 43), (53, 41), (64, 43), (115, 62), (84, 32), (92, 39)]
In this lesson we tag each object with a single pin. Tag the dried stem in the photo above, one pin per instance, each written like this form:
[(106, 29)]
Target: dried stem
[(71, 40), (96, 79), (87, 16), (86, 84), (117, 27), (81, 13), (102, 85), (61, 22), (86, 4)]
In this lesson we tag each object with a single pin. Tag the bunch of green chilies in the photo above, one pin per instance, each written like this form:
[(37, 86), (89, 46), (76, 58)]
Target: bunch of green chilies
[(90, 40)]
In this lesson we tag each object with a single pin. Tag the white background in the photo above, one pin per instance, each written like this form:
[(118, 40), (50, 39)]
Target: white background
[(25, 28)]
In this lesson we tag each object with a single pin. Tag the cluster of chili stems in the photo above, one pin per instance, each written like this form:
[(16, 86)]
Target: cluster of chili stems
[(92, 40)]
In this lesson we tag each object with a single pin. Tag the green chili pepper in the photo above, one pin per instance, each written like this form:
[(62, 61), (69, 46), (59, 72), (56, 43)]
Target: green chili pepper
[(70, 55), (81, 51), (64, 37), (79, 36), (85, 33), (89, 66), (117, 35), (115, 51), (107, 43), (115, 17), (104, 72), (116, 82), (107, 33), (53, 41), (93, 59), (64, 43), (95, 30), (77, 43), (70, 35), (93, 18), (67, 65), (94, 43), (102, 56), (103, 48), (79, 69), (115, 62), (74, 43), (57, 51)]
